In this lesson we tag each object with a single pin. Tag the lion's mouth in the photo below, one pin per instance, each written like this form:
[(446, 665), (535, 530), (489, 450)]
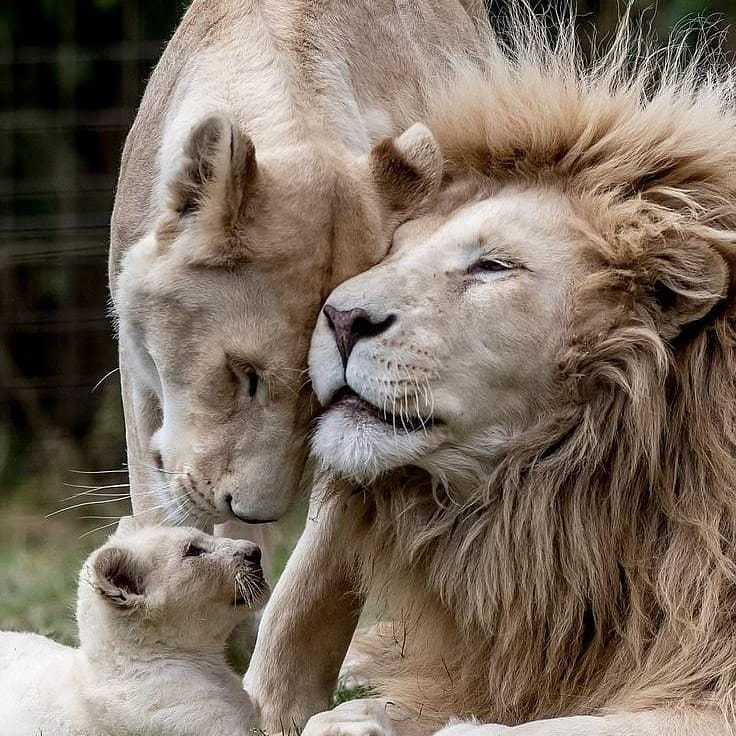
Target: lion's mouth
[(347, 398)]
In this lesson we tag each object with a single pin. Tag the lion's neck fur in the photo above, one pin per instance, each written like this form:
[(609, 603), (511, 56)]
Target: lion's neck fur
[(562, 588), (593, 566)]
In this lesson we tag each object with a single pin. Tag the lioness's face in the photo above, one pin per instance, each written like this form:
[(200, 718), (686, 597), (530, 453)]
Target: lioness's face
[(451, 343), (217, 304), (218, 355)]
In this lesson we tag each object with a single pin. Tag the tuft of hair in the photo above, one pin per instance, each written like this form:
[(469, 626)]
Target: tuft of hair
[(595, 567)]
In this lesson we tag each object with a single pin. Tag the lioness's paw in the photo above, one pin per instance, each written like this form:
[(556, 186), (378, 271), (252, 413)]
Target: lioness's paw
[(364, 717)]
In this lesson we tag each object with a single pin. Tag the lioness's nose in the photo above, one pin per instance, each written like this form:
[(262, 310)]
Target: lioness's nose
[(352, 325)]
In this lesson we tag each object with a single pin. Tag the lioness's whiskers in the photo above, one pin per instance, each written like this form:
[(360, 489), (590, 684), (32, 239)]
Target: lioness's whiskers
[(103, 379), (161, 470), (93, 494), (116, 519), (98, 488), (98, 472), (99, 528), (176, 506), (140, 463), (80, 505)]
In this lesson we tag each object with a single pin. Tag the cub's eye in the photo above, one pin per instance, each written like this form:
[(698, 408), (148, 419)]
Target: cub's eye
[(491, 265), (245, 374), (193, 550)]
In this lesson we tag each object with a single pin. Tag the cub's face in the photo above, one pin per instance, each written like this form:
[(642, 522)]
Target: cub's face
[(180, 584), (217, 304), (451, 343)]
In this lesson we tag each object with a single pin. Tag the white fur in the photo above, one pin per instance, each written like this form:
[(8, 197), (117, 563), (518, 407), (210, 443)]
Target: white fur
[(136, 672), (415, 369), (314, 91), (362, 717), (49, 689)]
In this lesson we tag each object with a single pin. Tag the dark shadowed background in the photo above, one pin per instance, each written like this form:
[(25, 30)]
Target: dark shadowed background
[(71, 75)]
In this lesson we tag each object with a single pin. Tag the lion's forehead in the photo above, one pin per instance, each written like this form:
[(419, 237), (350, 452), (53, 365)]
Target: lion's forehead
[(535, 225)]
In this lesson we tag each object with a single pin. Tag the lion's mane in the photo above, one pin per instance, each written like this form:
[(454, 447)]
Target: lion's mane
[(595, 567)]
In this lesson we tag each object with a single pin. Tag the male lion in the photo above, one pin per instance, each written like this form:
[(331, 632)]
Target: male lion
[(531, 405), (248, 191)]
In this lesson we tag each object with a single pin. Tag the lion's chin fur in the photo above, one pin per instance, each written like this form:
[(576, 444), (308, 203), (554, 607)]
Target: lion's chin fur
[(594, 567), (364, 450)]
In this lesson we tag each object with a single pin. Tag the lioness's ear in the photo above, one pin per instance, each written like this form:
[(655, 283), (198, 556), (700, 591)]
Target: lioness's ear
[(407, 170), (690, 279), (219, 165), (117, 577)]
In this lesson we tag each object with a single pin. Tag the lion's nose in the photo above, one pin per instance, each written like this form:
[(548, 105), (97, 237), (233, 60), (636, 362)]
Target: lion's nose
[(353, 325)]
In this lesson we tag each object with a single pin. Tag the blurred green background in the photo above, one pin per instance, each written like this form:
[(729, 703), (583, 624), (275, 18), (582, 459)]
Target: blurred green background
[(71, 75)]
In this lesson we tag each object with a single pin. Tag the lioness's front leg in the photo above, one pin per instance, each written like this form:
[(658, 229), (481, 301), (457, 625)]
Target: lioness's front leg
[(645, 723), (307, 625)]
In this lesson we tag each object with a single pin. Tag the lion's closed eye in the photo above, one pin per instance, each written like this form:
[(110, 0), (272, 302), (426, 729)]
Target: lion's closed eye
[(492, 265)]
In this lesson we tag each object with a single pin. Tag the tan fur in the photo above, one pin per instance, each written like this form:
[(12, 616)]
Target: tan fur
[(247, 192), (590, 570)]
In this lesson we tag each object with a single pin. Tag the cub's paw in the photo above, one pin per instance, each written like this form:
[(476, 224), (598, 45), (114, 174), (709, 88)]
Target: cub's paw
[(364, 717)]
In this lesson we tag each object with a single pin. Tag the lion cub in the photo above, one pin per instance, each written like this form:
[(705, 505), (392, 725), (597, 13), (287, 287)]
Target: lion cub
[(155, 607)]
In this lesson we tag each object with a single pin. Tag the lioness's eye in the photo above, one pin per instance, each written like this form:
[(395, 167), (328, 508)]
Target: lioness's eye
[(192, 550), (252, 377), (490, 265), (245, 374)]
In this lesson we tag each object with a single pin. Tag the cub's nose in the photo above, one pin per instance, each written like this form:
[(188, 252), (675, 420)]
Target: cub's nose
[(250, 552), (352, 325)]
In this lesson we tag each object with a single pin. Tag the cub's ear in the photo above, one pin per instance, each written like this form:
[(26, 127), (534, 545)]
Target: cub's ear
[(690, 279), (127, 525), (219, 166), (407, 170), (118, 578)]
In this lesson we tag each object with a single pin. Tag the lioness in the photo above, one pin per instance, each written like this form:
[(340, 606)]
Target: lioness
[(529, 431), (253, 181), (155, 608)]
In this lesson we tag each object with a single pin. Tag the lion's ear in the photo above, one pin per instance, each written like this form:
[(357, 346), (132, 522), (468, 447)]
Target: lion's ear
[(407, 170), (118, 578), (690, 279), (219, 166)]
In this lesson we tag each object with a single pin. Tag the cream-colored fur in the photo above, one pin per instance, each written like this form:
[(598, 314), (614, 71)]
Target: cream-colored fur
[(155, 608), (253, 181), (533, 418)]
